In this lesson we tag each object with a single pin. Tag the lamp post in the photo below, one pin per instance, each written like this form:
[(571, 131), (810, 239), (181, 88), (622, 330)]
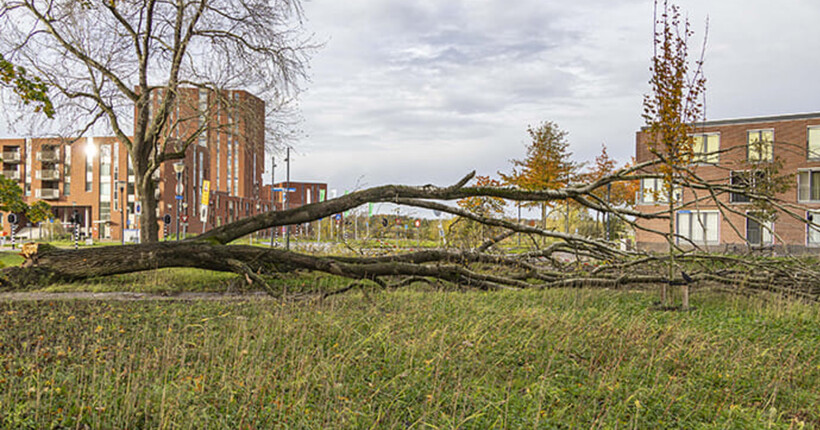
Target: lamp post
[(272, 201), (287, 199), (179, 167), (123, 208)]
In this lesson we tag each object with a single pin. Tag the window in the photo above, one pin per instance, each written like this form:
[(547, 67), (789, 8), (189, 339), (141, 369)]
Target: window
[(758, 232), (698, 227), (760, 144), (813, 143), (808, 186), (705, 148), (747, 181), (813, 228), (29, 167), (203, 109), (653, 191), (67, 175), (89, 164)]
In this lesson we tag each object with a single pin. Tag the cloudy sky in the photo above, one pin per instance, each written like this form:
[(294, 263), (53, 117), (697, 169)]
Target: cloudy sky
[(425, 91)]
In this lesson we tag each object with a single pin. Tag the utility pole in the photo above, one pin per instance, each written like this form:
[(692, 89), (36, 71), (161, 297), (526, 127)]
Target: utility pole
[(519, 222), (123, 207), (608, 196), (272, 201), (287, 198)]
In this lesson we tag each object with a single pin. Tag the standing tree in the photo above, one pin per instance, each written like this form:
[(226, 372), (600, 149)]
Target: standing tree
[(122, 64), (472, 233), (547, 166), (671, 111), (28, 89), (617, 193)]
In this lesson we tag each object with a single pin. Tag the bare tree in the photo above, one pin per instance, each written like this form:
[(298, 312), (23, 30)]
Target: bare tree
[(122, 65)]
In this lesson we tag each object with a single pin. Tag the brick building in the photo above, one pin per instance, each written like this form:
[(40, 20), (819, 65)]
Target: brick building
[(94, 177), (731, 152)]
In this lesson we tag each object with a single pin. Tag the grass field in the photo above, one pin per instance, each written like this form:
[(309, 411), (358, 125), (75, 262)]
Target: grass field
[(411, 359)]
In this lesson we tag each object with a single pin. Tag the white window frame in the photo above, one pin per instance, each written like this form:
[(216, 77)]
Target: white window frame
[(647, 194), (701, 223), (813, 130), (804, 187), (707, 154), (766, 231), (810, 229), (759, 156)]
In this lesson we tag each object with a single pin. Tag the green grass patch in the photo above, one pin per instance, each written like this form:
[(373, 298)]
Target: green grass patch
[(10, 258), (408, 359)]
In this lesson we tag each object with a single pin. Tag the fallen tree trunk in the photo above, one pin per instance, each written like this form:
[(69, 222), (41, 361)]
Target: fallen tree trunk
[(569, 261)]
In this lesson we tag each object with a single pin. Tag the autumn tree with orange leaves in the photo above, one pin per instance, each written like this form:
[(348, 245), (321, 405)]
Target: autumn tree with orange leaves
[(671, 110), (619, 193), (547, 165)]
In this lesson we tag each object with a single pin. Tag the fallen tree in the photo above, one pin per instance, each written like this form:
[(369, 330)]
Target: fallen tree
[(566, 261)]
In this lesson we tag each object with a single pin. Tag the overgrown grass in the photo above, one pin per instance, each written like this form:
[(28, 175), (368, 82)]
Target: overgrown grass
[(407, 359)]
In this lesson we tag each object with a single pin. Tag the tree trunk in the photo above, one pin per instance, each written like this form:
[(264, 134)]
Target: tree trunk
[(149, 230)]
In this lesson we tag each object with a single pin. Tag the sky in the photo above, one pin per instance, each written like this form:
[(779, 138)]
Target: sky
[(426, 91)]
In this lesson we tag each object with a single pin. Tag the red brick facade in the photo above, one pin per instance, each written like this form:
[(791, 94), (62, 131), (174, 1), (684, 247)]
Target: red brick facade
[(794, 140), (91, 175)]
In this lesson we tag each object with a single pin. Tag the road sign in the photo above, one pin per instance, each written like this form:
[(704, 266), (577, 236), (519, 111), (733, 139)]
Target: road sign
[(12, 218), (138, 209), (203, 213), (178, 197), (184, 218), (206, 192), (290, 190)]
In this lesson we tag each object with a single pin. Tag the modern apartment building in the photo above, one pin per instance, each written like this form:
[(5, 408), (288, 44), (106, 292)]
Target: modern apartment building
[(735, 152), (94, 177)]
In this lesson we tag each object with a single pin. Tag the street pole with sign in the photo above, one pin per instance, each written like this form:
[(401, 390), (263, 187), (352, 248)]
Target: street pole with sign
[(13, 221)]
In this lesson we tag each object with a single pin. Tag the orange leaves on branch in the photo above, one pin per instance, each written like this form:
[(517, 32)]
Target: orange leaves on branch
[(673, 106), (484, 206), (621, 193)]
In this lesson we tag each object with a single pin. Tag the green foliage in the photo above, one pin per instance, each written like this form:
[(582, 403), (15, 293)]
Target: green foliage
[(534, 359), (11, 200), (11, 196), (30, 90), (38, 212)]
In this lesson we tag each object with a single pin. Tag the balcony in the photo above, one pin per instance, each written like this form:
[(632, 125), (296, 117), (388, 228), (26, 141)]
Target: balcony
[(12, 174), (48, 156), (48, 175), (11, 156), (47, 193)]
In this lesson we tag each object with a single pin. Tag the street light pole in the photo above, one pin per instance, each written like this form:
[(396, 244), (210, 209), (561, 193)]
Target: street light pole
[(287, 199), (123, 207), (272, 201)]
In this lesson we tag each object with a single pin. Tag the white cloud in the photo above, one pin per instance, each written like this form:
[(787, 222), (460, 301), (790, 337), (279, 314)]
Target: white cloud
[(420, 92)]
